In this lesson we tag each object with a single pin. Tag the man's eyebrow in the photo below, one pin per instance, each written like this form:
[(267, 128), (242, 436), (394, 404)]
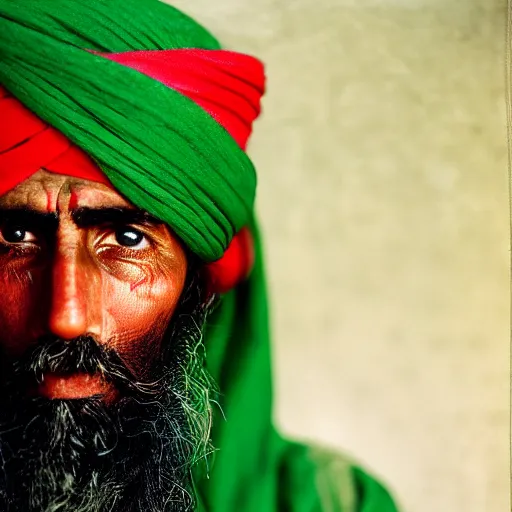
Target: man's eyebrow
[(27, 217), (85, 217)]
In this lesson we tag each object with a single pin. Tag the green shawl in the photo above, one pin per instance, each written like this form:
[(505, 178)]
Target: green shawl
[(169, 157)]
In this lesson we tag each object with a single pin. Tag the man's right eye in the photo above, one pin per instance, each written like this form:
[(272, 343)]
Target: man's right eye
[(16, 235)]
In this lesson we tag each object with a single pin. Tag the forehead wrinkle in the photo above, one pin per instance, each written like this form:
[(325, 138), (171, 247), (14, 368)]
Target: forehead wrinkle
[(34, 193), (28, 194), (95, 195), (49, 192), (58, 195)]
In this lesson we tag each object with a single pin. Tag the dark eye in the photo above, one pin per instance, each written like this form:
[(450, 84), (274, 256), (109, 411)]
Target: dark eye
[(16, 235), (130, 237)]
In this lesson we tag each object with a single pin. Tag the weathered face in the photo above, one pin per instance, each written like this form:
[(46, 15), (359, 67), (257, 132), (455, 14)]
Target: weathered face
[(77, 259), (98, 349)]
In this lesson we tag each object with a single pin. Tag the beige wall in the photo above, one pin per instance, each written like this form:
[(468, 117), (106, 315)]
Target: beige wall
[(383, 194)]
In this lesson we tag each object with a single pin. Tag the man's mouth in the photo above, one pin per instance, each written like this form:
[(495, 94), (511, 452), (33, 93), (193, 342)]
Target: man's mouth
[(75, 386)]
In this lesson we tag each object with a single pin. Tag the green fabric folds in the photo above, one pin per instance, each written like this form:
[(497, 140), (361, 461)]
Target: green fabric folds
[(162, 150), (255, 469), (172, 159)]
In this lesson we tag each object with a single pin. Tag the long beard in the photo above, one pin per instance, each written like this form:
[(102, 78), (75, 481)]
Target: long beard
[(83, 455)]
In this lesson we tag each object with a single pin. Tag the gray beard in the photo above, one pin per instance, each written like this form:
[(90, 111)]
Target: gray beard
[(134, 456)]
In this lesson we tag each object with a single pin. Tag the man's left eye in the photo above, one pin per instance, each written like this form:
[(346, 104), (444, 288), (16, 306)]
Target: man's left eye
[(130, 237)]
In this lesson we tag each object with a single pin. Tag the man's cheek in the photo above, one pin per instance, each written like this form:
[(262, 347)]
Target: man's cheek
[(22, 309), (117, 263), (144, 270), (135, 316)]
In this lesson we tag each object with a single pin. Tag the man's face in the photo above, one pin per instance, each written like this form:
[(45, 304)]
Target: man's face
[(77, 259), (103, 387)]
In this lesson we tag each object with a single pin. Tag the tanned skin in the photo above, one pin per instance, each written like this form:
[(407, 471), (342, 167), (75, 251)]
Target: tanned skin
[(77, 259)]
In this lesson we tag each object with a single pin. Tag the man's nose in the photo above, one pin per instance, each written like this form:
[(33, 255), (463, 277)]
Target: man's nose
[(71, 308)]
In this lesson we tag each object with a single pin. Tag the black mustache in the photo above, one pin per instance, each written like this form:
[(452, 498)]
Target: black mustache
[(84, 354)]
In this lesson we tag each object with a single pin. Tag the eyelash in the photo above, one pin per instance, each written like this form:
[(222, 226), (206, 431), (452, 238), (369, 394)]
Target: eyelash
[(111, 230)]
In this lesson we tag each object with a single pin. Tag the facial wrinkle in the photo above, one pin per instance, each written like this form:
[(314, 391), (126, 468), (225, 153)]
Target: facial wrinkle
[(63, 197), (140, 282), (52, 186)]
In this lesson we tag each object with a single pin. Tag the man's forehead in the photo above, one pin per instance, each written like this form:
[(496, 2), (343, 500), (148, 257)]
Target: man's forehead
[(48, 192)]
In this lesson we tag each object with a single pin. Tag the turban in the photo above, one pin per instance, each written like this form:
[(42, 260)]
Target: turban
[(148, 95)]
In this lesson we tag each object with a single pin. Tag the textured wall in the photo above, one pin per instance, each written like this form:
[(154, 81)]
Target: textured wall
[(383, 194)]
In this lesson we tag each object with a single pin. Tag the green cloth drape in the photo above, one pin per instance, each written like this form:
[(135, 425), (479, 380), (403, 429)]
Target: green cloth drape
[(172, 159), (256, 470)]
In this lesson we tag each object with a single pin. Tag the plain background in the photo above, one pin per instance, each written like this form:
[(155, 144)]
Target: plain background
[(382, 159)]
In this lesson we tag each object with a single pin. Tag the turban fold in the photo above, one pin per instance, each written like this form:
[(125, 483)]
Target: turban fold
[(167, 128)]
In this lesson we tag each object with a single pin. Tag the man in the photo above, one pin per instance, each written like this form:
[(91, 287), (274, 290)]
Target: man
[(133, 325)]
